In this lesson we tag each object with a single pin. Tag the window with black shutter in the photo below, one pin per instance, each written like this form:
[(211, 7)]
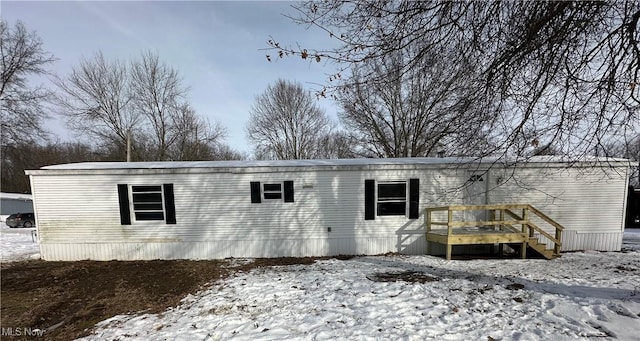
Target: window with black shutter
[(146, 203), (273, 191), (391, 198)]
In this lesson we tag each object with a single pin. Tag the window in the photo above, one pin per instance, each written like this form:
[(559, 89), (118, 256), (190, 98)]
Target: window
[(272, 191), (476, 177), (392, 198), (147, 202)]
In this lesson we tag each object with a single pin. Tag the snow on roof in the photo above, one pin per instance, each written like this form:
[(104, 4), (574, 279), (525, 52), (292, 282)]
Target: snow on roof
[(252, 163), (15, 196), (307, 163)]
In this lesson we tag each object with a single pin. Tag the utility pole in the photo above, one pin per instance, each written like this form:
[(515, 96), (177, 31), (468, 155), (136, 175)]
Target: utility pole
[(129, 145)]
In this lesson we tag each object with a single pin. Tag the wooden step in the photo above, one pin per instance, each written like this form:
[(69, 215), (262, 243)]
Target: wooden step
[(540, 248)]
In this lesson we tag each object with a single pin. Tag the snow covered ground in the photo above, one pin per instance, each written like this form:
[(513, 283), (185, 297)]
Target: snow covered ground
[(583, 295), (17, 244)]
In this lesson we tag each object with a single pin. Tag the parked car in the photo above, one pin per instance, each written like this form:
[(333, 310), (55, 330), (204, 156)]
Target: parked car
[(21, 220)]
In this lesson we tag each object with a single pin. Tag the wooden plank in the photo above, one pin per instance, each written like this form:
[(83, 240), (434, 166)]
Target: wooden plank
[(427, 220), (512, 228), (513, 215), (470, 239), (546, 218), (439, 223), (479, 207), (556, 247), (442, 232), (485, 223), (544, 233), (462, 239), (525, 216), (441, 239), (440, 208), (471, 231)]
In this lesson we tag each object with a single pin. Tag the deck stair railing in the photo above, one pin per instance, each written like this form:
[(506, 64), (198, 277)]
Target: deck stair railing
[(502, 219)]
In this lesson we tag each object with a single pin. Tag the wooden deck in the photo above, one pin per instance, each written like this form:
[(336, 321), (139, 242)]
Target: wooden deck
[(496, 230)]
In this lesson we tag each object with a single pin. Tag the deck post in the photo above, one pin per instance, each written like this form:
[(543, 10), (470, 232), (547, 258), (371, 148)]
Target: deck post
[(492, 217), (525, 226), (449, 220), (427, 227), (556, 246), (525, 217), (449, 231), (501, 217)]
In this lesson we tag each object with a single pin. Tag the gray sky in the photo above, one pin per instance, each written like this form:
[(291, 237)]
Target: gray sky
[(214, 45)]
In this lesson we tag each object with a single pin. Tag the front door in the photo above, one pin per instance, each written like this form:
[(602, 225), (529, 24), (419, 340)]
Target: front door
[(475, 193)]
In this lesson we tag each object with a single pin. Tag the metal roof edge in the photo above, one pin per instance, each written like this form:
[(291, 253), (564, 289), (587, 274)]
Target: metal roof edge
[(183, 167)]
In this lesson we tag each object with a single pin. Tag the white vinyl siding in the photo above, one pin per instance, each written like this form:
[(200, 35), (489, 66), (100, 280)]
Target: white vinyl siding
[(588, 203), (78, 214)]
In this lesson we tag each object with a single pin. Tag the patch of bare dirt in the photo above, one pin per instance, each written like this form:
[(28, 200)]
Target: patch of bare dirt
[(66, 299), (406, 276)]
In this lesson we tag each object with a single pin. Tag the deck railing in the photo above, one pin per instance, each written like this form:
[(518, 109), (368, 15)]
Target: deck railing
[(498, 219)]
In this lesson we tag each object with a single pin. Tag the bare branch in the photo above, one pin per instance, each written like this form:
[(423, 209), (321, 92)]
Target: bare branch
[(285, 123), (21, 104), (564, 74)]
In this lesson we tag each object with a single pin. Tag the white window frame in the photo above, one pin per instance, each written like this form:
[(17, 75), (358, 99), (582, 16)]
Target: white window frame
[(132, 204), (263, 191), (405, 200)]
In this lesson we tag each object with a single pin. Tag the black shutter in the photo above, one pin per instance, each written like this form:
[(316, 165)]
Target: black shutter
[(369, 200), (255, 192), (169, 205), (123, 199), (414, 198), (288, 191)]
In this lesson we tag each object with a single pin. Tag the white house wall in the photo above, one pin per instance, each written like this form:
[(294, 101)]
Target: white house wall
[(588, 202), (79, 218)]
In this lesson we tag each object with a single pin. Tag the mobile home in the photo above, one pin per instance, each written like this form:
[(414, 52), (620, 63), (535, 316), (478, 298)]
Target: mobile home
[(15, 203), (219, 209)]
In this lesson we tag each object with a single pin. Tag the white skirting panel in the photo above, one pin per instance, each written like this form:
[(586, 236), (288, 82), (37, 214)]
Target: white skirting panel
[(230, 248), (415, 244), (573, 240)]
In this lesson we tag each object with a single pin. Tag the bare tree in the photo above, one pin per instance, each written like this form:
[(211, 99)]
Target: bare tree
[(197, 139), (341, 145), (285, 123), (627, 147), (144, 101), (559, 73), (96, 100), (21, 156), (158, 92), (421, 112), (21, 104)]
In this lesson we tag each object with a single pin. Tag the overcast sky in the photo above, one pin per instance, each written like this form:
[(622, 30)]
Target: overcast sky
[(215, 46)]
